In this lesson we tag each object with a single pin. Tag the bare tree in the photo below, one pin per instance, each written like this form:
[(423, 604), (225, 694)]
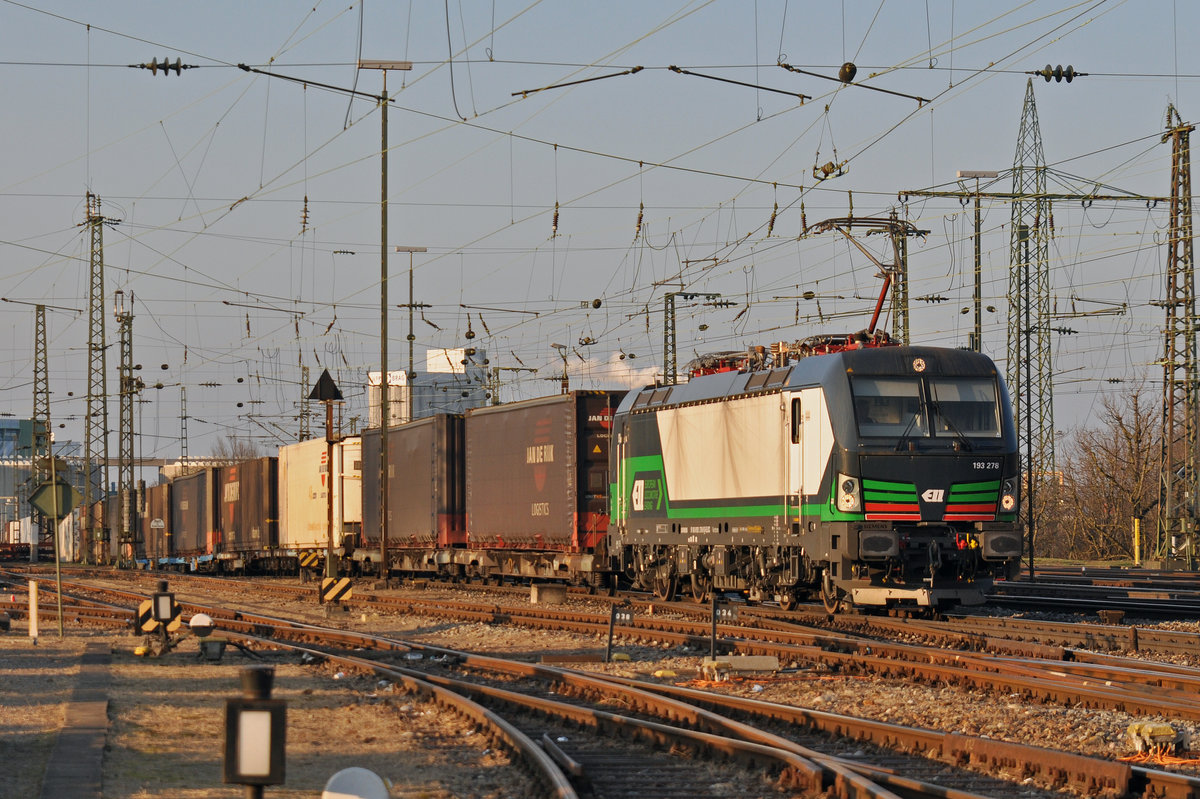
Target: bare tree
[(231, 448), (1110, 478)]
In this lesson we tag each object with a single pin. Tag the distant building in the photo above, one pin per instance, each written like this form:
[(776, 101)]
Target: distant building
[(16, 469), (454, 380)]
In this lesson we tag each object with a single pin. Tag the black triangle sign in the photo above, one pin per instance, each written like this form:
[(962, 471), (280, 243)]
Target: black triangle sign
[(325, 390)]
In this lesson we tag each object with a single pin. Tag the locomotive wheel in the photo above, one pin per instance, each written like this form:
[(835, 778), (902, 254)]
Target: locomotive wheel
[(700, 588), (830, 595), (664, 587), (786, 600)]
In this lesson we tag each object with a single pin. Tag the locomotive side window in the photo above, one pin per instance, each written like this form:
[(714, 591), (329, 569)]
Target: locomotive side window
[(965, 407), (889, 406), (796, 420)]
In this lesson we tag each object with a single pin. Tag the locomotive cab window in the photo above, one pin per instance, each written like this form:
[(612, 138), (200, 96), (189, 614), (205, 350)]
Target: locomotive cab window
[(889, 407), (965, 407)]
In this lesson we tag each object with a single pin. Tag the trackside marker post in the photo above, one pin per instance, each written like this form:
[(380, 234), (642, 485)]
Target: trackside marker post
[(33, 611), (619, 615), (721, 611)]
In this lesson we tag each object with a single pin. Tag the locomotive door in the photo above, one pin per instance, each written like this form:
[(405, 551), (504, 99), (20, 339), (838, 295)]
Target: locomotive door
[(795, 418), (619, 510), (811, 441)]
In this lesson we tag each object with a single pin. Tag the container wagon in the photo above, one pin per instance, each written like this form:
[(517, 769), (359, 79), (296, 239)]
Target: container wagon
[(536, 497), (247, 495), (426, 495), (193, 520), (155, 527), (305, 481)]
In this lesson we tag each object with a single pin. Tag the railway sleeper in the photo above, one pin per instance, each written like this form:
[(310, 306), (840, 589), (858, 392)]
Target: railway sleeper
[(1094, 776)]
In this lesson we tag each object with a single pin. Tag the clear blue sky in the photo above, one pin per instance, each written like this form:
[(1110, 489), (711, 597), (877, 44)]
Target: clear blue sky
[(207, 174)]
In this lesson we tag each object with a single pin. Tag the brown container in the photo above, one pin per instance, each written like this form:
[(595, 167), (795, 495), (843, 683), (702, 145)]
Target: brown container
[(193, 520), (248, 506), (157, 539), (426, 487), (537, 472)]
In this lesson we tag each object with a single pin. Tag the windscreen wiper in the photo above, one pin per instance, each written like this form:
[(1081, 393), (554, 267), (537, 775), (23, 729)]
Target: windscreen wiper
[(904, 436), (951, 426)]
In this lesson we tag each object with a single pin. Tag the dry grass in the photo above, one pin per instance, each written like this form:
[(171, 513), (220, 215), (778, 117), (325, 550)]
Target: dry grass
[(166, 733)]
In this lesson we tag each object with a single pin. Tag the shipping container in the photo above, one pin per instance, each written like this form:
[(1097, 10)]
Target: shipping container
[(155, 523), (349, 454), (248, 506), (193, 521), (425, 485), (304, 498), (537, 472)]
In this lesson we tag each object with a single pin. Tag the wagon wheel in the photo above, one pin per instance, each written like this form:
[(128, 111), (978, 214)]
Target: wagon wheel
[(701, 585), (664, 586), (786, 600), (831, 597)]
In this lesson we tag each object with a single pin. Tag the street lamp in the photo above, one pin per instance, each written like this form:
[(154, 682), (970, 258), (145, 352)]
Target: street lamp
[(977, 343), (384, 407)]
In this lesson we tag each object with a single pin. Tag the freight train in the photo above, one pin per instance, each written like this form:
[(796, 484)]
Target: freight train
[(850, 469)]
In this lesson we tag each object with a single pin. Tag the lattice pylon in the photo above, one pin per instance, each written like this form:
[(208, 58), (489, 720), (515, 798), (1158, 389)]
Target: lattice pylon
[(1177, 486)]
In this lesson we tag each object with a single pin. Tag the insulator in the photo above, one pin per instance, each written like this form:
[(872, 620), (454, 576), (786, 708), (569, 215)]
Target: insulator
[(166, 66), (1059, 73), (637, 231), (771, 222), (554, 223)]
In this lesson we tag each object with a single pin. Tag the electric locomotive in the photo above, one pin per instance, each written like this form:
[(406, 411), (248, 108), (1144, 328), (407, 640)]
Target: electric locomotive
[(865, 472)]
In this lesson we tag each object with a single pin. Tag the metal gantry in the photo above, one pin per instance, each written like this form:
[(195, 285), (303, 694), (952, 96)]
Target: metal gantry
[(95, 438), (899, 234), (670, 362), (41, 413), (1177, 488), (130, 387), (305, 428)]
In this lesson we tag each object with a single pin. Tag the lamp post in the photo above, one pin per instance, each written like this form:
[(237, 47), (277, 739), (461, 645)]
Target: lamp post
[(977, 342), (384, 405)]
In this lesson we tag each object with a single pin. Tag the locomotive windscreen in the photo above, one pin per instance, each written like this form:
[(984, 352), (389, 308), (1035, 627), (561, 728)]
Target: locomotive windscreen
[(903, 407), (966, 406), (889, 406)]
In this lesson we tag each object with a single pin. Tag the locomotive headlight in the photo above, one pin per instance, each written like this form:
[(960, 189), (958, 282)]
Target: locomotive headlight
[(848, 499), (1008, 495)]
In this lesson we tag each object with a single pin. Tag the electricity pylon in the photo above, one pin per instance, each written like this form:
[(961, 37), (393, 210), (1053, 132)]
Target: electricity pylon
[(130, 387), (1177, 487), (95, 438)]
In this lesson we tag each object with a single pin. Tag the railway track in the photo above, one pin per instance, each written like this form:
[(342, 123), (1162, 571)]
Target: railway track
[(1088, 776)]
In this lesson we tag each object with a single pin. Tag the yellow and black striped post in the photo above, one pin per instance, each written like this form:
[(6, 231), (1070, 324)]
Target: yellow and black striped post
[(335, 589)]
